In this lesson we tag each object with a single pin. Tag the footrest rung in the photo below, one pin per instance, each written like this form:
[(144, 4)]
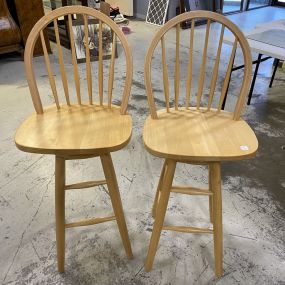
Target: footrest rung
[(190, 190), (90, 222), (87, 184), (188, 229)]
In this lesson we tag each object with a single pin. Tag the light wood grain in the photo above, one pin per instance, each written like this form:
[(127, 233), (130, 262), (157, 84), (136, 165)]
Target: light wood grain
[(228, 75), (190, 230), (100, 63), (165, 74), (85, 185), (174, 23), (88, 64), (113, 188), (216, 69), (203, 65), (190, 190), (177, 67), (60, 211), (215, 173), (197, 135), (190, 64), (90, 222), (111, 71), (61, 63), (159, 186), (160, 213), (210, 197), (51, 17), (75, 130), (74, 60), (49, 70)]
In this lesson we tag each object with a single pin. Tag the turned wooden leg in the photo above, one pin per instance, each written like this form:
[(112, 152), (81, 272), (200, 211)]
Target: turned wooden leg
[(215, 173), (210, 198), (156, 199), (160, 212), (211, 208), (60, 211), (113, 188)]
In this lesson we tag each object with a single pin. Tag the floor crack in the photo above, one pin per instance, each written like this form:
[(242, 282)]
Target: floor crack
[(15, 177), (25, 230)]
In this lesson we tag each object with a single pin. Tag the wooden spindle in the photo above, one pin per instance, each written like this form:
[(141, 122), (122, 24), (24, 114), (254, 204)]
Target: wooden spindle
[(165, 74), (228, 74), (177, 67), (88, 64), (74, 60), (100, 63), (111, 71), (190, 63), (49, 70), (203, 66), (61, 63), (216, 69)]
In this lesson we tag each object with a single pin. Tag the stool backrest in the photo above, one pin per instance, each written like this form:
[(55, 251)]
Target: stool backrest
[(191, 17), (104, 23)]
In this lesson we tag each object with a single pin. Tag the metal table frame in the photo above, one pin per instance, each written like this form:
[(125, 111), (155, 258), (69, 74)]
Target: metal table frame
[(257, 62)]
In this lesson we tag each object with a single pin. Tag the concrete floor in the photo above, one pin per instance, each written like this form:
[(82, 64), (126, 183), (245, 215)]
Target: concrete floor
[(253, 191)]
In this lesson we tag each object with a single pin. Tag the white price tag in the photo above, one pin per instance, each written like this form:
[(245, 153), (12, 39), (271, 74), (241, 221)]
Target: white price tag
[(244, 147)]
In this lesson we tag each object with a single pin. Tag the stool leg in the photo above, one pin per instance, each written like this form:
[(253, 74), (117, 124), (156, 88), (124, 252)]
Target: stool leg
[(211, 208), (215, 177), (113, 188), (60, 211), (160, 213), (156, 199), (210, 198)]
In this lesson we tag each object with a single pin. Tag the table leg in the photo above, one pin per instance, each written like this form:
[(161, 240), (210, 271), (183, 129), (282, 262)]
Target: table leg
[(225, 99), (274, 71), (254, 78)]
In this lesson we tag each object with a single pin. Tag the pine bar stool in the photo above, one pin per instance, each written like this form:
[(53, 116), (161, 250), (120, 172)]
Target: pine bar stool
[(78, 130), (196, 134)]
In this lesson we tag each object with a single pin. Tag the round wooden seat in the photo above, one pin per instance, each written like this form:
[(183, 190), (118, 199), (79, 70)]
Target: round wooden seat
[(199, 135), (75, 130)]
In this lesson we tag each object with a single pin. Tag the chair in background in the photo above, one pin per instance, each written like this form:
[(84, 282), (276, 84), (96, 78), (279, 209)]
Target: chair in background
[(196, 134), (78, 130)]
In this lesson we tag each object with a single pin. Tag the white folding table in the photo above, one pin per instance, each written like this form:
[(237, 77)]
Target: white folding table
[(264, 40)]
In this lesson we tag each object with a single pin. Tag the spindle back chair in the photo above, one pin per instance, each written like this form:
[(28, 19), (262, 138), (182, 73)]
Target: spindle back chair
[(78, 130), (196, 134), (103, 21), (210, 17)]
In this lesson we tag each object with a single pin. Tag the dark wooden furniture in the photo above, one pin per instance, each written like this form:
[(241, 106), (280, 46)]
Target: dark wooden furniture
[(28, 13), (9, 31), (17, 18)]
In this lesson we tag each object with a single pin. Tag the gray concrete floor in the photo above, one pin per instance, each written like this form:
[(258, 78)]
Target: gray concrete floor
[(253, 191)]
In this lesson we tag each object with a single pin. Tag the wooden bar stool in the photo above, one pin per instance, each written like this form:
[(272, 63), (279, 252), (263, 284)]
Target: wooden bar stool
[(196, 134), (79, 130)]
